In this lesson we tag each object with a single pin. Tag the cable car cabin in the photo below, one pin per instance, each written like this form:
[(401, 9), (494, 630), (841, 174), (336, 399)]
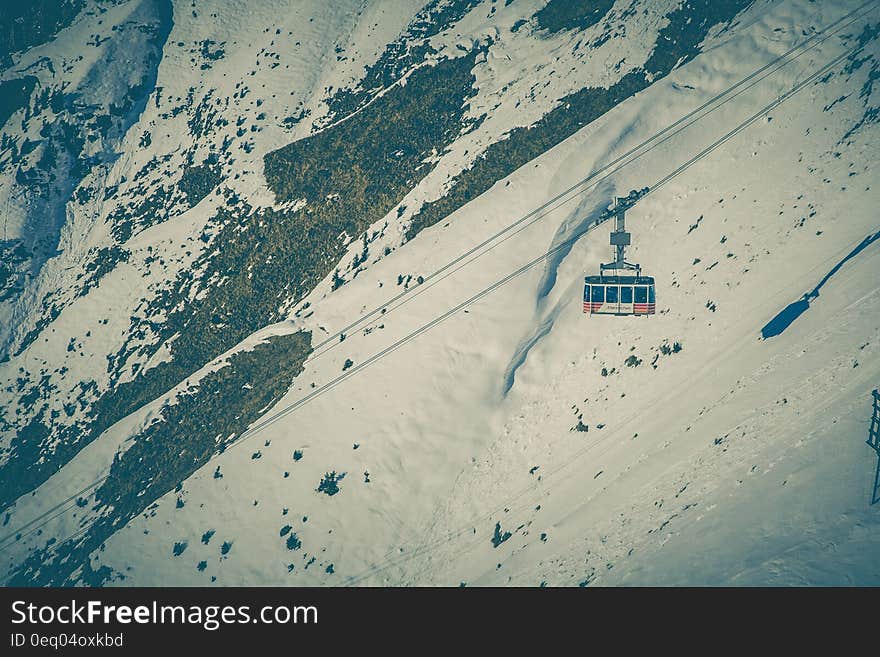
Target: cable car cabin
[(619, 295)]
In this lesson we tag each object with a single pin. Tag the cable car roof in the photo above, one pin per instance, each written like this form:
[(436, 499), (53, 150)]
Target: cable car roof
[(619, 280)]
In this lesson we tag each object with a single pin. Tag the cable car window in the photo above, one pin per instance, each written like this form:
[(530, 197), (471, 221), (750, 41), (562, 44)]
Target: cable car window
[(651, 294), (586, 292), (641, 295), (626, 294), (611, 294), (598, 295)]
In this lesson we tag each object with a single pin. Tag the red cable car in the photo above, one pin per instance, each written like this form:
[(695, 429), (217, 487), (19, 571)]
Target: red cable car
[(619, 295)]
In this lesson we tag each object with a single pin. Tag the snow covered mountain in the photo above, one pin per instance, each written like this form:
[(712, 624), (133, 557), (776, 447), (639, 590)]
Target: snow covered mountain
[(235, 234)]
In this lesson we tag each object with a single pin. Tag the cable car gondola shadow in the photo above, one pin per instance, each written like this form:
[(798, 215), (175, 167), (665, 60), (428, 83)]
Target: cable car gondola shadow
[(786, 317)]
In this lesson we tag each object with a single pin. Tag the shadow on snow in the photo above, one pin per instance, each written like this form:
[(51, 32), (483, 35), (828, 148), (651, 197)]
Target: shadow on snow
[(792, 311)]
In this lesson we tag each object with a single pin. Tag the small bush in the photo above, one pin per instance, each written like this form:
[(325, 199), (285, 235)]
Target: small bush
[(330, 483), (498, 537)]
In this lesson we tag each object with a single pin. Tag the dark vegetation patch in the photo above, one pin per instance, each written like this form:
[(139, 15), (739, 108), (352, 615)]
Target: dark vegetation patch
[(329, 484), (399, 56), (199, 181), (103, 261), (211, 52), (856, 60), (148, 198), (375, 157), (203, 422), (293, 542), (27, 24), (666, 349), (559, 15), (518, 25), (14, 95), (677, 43), (13, 257)]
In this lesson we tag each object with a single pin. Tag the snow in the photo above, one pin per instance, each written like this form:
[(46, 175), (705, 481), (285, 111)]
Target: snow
[(451, 425)]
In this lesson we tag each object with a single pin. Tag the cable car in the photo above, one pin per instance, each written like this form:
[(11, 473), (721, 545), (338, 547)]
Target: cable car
[(619, 294)]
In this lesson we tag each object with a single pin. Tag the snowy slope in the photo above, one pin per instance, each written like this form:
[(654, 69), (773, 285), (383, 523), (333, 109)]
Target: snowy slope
[(735, 460)]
